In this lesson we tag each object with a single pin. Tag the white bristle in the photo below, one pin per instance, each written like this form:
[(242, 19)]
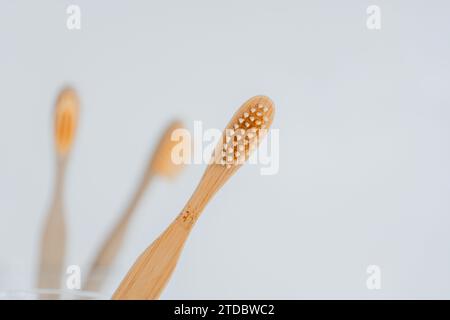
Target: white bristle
[(244, 134)]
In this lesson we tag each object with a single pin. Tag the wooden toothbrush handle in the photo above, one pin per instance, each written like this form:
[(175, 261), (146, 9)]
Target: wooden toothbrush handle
[(110, 248), (52, 251), (152, 270), (53, 243)]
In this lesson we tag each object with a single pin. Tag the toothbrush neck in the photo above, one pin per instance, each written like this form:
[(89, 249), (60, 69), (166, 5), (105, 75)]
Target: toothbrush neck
[(211, 182), (60, 177)]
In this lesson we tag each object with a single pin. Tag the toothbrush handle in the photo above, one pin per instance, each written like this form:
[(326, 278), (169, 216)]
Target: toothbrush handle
[(112, 245), (53, 243), (152, 270), (52, 251), (105, 257)]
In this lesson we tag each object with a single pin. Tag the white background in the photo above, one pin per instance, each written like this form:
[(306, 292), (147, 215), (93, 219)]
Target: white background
[(364, 125)]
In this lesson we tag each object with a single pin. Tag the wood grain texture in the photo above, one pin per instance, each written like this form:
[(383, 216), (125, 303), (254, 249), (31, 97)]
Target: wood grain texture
[(152, 270), (160, 164)]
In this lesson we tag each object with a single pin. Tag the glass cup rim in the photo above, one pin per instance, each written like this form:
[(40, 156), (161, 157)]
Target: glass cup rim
[(13, 294)]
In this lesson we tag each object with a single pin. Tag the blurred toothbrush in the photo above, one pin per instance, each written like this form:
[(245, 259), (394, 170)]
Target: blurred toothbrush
[(54, 233), (160, 164)]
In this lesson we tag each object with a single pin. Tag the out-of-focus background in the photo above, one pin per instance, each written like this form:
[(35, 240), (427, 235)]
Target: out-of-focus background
[(363, 114)]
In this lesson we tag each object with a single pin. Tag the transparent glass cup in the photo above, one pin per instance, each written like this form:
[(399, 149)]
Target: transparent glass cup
[(19, 282), (50, 294)]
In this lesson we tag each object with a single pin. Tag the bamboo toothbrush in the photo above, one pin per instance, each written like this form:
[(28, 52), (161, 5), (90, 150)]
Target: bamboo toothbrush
[(54, 233), (160, 164), (150, 273)]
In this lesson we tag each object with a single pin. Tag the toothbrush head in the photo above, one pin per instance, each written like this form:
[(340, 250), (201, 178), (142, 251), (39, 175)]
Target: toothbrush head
[(162, 163), (241, 136), (66, 119), (245, 131)]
